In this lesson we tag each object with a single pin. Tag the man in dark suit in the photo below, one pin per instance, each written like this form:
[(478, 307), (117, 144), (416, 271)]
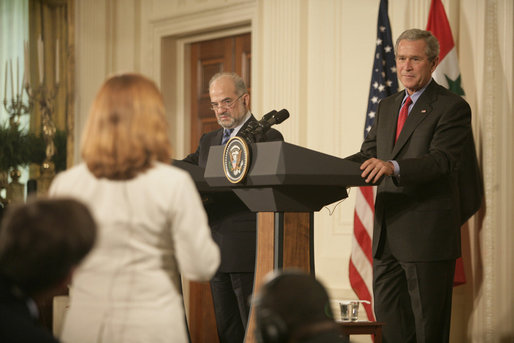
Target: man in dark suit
[(40, 245), (419, 206), (233, 225)]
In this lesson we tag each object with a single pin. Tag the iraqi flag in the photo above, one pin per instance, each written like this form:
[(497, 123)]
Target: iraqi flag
[(446, 74)]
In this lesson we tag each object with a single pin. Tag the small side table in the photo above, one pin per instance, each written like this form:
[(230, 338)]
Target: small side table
[(362, 328)]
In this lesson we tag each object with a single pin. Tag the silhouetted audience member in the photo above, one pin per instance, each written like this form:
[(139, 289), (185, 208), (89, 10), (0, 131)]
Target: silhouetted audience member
[(294, 307), (41, 243)]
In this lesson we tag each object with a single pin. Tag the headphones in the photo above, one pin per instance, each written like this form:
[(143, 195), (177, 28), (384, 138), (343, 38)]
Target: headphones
[(291, 304), (270, 327)]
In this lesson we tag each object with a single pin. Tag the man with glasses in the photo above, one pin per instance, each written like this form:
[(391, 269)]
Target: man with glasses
[(233, 225)]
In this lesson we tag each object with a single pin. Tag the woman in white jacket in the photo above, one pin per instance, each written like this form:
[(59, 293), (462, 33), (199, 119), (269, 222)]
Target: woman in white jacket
[(152, 225)]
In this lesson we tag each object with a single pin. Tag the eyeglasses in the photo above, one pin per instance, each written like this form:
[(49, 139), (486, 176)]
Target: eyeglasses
[(226, 103)]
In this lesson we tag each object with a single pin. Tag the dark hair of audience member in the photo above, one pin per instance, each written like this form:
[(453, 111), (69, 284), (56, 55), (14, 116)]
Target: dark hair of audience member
[(42, 241), (292, 305)]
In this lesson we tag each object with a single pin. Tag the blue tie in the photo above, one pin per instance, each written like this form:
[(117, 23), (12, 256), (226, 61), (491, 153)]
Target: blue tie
[(226, 135)]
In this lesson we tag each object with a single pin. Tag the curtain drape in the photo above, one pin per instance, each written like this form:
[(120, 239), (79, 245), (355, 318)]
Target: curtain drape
[(13, 33), (51, 65)]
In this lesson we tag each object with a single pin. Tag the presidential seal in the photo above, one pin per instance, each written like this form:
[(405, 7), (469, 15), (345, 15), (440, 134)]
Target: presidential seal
[(236, 158)]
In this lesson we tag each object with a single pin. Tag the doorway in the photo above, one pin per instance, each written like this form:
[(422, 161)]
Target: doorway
[(227, 54), (206, 58)]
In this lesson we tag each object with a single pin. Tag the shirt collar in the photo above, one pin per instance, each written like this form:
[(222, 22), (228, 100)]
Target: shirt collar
[(237, 128), (415, 96), (29, 302)]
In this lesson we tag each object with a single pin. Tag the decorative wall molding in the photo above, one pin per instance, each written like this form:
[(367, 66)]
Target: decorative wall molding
[(490, 170), (169, 10), (168, 46), (281, 51)]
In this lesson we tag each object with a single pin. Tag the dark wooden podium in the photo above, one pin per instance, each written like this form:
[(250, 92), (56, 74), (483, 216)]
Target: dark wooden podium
[(285, 185)]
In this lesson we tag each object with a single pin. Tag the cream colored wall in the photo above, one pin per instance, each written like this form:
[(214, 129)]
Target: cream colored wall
[(314, 58)]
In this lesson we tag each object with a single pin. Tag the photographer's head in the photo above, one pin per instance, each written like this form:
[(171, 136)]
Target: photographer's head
[(41, 242), (292, 306)]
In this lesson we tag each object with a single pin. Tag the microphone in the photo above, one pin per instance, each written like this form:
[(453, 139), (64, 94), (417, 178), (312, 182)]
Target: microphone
[(248, 134), (254, 131), (270, 119), (268, 115)]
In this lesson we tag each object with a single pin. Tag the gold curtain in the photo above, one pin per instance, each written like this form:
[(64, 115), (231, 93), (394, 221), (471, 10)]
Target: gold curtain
[(51, 48)]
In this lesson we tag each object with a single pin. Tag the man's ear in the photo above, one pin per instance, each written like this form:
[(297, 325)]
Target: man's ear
[(436, 62)]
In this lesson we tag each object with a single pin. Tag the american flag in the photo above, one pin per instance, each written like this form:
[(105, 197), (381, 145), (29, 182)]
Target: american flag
[(383, 83)]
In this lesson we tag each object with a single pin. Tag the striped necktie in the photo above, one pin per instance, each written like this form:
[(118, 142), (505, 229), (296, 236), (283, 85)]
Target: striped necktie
[(226, 135)]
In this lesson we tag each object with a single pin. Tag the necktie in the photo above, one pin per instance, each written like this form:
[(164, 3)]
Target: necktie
[(226, 135), (404, 112)]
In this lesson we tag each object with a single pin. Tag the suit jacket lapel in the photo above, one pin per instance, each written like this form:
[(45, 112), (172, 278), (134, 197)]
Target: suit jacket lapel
[(390, 125), (251, 119), (421, 109), (218, 137)]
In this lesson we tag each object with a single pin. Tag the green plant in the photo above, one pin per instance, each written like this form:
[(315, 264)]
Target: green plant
[(37, 147), (14, 147), (19, 148)]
